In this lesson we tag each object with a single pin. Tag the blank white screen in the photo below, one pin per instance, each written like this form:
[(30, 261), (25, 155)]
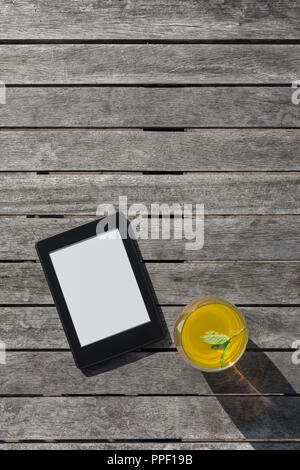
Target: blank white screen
[(99, 287)]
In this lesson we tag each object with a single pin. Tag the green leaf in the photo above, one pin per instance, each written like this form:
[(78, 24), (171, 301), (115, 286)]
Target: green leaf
[(237, 333), (215, 338), (219, 341), (218, 347), (225, 353)]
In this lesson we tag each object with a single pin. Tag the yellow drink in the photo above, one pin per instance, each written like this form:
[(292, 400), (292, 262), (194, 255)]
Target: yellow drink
[(210, 315)]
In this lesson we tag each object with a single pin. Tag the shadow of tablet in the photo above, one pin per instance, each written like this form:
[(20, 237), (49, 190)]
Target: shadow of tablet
[(260, 414), (130, 357)]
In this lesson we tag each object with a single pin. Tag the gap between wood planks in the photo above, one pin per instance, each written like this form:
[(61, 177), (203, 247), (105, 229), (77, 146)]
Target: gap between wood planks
[(142, 350), (144, 129), (71, 216), (133, 395), (161, 305), (107, 441), (148, 85), (150, 41), (142, 173), (116, 444), (86, 216), (175, 261)]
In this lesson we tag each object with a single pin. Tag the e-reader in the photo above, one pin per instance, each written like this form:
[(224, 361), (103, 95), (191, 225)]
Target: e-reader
[(101, 290)]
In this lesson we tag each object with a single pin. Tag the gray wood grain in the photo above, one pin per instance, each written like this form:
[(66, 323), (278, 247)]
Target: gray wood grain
[(48, 373), (104, 417), (290, 445), (226, 238), (149, 107), (241, 282), (177, 283), (186, 417), (145, 446), (40, 328), (150, 63), (131, 150), (149, 20), (45, 372), (221, 194)]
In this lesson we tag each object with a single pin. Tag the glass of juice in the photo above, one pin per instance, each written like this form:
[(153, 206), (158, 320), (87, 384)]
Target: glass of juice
[(211, 334)]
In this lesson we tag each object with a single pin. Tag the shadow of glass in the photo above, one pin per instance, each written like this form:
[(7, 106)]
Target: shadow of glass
[(257, 416)]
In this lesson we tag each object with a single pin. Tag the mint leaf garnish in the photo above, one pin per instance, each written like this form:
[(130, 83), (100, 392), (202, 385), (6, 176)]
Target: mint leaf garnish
[(225, 353), (213, 337), (237, 333), (218, 347), (219, 341)]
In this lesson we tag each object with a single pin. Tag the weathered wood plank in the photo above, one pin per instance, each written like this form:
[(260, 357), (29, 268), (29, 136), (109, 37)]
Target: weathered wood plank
[(150, 418), (48, 373), (290, 445), (200, 150), (149, 20), (40, 328), (241, 282), (177, 283), (226, 238), (144, 445), (149, 107), (150, 63), (221, 194), (109, 418)]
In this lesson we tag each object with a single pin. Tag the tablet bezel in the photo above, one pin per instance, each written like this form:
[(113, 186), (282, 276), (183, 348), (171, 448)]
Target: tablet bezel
[(91, 354)]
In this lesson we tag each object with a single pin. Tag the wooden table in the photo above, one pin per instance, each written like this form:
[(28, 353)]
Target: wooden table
[(165, 101)]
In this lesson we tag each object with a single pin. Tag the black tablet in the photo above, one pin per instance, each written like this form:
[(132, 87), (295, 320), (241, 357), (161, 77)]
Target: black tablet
[(101, 290)]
